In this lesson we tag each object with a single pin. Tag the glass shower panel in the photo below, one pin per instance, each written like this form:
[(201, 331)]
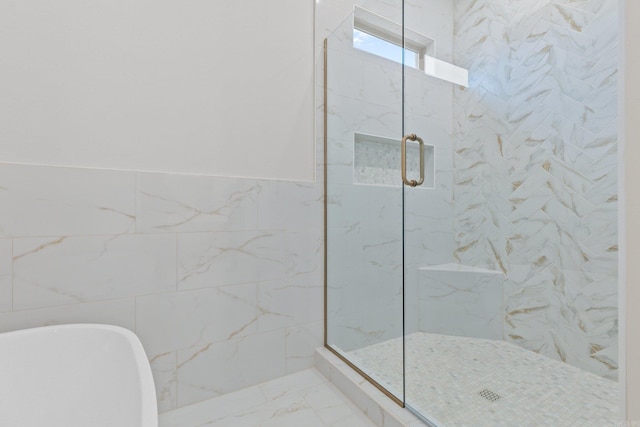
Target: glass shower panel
[(364, 300), (428, 207)]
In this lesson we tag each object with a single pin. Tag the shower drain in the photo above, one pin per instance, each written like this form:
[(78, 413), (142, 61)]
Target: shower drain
[(489, 395)]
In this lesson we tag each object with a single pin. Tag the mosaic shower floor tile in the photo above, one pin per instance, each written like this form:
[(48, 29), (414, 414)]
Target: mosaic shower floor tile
[(459, 381)]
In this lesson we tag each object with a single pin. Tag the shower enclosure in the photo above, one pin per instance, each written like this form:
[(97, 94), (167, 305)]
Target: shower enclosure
[(471, 207)]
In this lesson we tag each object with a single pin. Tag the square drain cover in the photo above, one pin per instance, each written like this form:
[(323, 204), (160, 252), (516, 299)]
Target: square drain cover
[(489, 395)]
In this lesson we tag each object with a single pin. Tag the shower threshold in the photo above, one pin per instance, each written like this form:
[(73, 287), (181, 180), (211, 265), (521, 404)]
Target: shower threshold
[(460, 381)]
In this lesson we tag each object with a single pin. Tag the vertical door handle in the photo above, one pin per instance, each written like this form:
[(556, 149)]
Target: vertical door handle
[(412, 182)]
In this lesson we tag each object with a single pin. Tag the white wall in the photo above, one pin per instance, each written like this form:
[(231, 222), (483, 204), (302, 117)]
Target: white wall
[(198, 87), (631, 202)]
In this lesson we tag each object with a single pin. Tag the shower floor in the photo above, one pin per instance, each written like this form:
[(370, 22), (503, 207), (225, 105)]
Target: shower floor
[(459, 381)]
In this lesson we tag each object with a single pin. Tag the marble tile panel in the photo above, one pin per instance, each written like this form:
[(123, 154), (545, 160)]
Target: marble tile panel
[(359, 328), (373, 119), (344, 253), (285, 412), (303, 253), (208, 371), (570, 63), (71, 270), (382, 82), (187, 319), (604, 70), (606, 18), (230, 257), (289, 205), (330, 14), (290, 302), (382, 249), (213, 410), (390, 9), (57, 201), (6, 277), (576, 19), (296, 384), (344, 73), (119, 312), (340, 160), (463, 303), (335, 410), (183, 203), (430, 246), (163, 367), (301, 342), (353, 206)]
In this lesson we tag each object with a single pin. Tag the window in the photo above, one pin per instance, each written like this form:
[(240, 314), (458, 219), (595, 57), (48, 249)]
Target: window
[(380, 36), (372, 44)]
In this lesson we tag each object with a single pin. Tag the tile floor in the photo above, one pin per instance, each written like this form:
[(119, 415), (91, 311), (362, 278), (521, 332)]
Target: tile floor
[(303, 399), (459, 381)]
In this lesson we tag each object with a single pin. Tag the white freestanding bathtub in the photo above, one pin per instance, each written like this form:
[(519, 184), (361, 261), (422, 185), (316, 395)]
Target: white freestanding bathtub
[(75, 376)]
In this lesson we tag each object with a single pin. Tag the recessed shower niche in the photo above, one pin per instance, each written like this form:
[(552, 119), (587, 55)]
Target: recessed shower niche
[(377, 161)]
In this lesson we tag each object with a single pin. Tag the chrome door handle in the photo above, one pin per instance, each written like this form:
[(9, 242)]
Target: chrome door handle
[(412, 182)]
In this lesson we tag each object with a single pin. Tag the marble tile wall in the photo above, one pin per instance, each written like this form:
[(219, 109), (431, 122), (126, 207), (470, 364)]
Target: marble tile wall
[(459, 300), (221, 278), (535, 180)]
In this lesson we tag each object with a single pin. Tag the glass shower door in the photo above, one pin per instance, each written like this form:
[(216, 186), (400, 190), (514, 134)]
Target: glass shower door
[(433, 309), (364, 235)]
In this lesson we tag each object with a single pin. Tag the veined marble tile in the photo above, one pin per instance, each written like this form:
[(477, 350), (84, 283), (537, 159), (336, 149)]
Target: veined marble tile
[(558, 166), (463, 303), (301, 343), (290, 302), (186, 319), (340, 160), (6, 277), (119, 312), (230, 257), (382, 249), (289, 205), (575, 19), (303, 253), (604, 232), (183, 203), (70, 270), (332, 408), (344, 252), (288, 411), (213, 410), (367, 118), (291, 384), (386, 77), (57, 201), (163, 367), (570, 63), (433, 245), (218, 368), (360, 328), (350, 208), (330, 14), (600, 27)]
